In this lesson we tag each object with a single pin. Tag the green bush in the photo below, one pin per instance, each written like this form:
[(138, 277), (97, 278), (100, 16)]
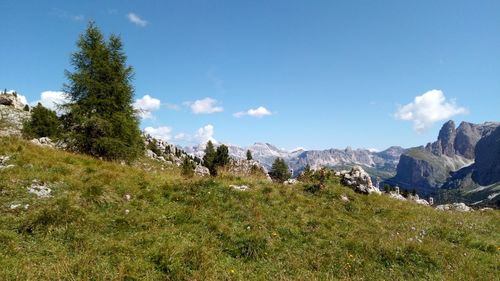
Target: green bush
[(43, 123)]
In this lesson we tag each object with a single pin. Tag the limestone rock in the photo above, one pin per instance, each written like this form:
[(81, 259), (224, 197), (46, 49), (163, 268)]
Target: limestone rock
[(459, 207), (12, 100), (291, 182), (201, 171), (239, 187), (11, 120), (3, 162), (358, 180), (39, 189)]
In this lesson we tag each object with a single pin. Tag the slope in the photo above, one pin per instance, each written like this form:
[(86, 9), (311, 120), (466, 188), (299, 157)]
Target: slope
[(106, 221)]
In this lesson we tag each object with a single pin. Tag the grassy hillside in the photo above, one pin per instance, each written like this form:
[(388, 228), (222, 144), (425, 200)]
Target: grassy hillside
[(201, 229)]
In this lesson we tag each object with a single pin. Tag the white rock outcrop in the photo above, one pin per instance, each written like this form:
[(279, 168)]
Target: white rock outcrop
[(459, 207), (39, 189), (12, 100), (12, 115), (240, 187), (201, 171), (291, 182), (358, 180), (3, 162)]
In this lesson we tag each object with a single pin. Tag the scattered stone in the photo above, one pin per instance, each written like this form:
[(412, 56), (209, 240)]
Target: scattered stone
[(127, 211), (14, 206), (3, 162), (291, 182), (397, 196), (240, 187), (486, 209), (459, 207), (201, 171), (39, 189), (127, 197), (344, 198), (358, 180)]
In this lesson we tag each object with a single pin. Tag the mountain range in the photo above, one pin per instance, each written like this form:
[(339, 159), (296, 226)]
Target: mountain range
[(381, 165)]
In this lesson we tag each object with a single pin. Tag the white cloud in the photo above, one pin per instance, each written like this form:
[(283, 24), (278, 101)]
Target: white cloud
[(163, 133), (427, 109), (205, 106), (146, 105), (52, 100), (257, 112), (137, 20), (205, 133)]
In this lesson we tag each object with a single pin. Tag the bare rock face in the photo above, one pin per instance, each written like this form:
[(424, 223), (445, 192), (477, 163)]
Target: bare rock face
[(359, 180), (12, 119), (459, 207), (11, 100), (201, 171)]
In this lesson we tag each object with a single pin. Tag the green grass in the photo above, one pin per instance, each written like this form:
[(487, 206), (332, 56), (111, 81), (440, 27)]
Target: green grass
[(201, 229)]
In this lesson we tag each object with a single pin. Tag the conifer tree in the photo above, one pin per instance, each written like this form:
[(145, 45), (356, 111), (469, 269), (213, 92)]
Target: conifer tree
[(222, 156), (279, 170), (100, 119), (209, 158), (249, 155)]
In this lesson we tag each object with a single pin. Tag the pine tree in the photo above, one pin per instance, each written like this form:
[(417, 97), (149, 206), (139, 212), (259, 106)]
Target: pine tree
[(279, 171), (101, 120), (209, 158), (249, 155), (222, 156), (43, 123)]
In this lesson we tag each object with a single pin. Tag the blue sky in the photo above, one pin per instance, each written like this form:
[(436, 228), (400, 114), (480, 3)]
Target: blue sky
[(316, 74)]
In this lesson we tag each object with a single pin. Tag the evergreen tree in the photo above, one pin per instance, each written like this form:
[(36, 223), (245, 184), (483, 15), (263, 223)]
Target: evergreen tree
[(100, 119), (43, 123), (249, 155), (222, 156), (209, 158), (279, 171)]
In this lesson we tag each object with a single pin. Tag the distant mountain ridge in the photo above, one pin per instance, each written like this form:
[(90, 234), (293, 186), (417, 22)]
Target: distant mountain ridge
[(382, 164)]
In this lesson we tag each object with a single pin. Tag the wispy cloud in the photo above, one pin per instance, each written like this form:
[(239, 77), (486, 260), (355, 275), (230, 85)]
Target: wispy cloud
[(137, 20), (258, 112), (205, 106), (66, 15), (427, 109)]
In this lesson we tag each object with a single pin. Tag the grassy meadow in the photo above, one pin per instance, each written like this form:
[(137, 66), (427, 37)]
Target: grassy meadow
[(108, 221)]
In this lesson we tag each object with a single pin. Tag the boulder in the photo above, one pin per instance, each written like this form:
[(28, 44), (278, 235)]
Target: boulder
[(395, 195), (201, 171), (358, 180), (44, 141), (39, 189), (291, 182), (459, 207), (240, 187)]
